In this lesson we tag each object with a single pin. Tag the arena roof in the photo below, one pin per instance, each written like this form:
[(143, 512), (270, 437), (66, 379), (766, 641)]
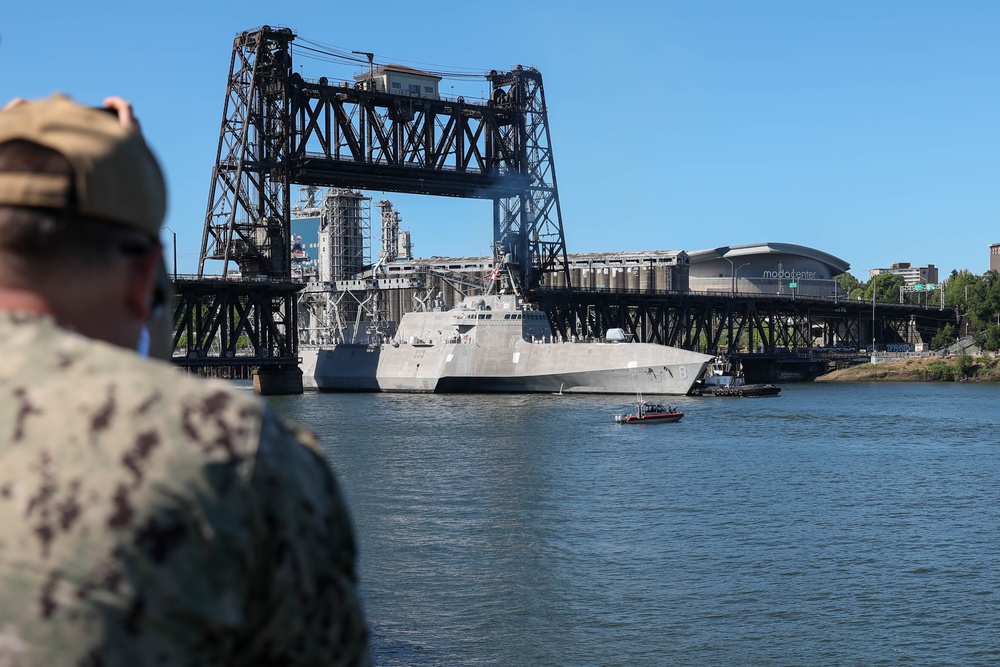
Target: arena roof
[(836, 264)]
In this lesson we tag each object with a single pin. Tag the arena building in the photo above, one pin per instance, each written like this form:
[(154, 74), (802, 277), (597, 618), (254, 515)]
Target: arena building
[(766, 268)]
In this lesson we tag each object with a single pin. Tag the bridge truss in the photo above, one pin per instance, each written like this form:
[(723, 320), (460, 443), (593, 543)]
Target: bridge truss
[(724, 323)]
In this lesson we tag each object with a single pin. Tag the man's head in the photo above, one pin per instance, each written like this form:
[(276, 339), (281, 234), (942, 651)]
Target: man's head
[(82, 199), (115, 176)]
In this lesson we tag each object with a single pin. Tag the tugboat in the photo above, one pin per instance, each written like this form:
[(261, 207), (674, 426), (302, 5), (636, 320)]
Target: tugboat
[(650, 413), (721, 381)]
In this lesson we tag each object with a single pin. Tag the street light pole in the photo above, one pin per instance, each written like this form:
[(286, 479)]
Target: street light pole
[(874, 280), (175, 250), (965, 308), (733, 272), (736, 276), (732, 276)]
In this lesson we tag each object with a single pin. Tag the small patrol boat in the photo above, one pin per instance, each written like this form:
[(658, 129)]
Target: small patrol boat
[(650, 413)]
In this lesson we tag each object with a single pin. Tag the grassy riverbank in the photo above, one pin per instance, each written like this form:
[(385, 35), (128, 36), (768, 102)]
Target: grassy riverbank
[(941, 369)]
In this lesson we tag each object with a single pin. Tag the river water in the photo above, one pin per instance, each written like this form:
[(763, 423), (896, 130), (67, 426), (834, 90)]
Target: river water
[(837, 524)]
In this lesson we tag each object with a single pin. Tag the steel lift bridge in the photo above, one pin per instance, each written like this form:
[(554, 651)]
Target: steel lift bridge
[(279, 129)]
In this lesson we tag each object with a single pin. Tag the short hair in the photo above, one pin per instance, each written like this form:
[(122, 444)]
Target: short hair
[(47, 237)]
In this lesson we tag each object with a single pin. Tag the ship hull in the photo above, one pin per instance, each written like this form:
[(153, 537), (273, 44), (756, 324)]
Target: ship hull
[(521, 367), (342, 367)]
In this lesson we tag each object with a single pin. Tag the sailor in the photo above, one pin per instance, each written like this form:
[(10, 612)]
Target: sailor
[(145, 517)]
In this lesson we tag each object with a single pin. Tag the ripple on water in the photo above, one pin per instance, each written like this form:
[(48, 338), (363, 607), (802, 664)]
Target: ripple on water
[(849, 525)]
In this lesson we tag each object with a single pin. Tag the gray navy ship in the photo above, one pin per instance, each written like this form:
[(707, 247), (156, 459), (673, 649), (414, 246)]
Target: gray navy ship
[(498, 343)]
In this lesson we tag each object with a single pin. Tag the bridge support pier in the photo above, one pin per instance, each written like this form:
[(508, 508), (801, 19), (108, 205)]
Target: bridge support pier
[(277, 381)]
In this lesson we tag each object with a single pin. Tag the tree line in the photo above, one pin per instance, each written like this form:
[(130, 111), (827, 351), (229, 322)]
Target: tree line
[(976, 298)]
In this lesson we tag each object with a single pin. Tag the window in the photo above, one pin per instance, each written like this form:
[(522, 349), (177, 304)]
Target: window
[(428, 89), (396, 84), (414, 88)]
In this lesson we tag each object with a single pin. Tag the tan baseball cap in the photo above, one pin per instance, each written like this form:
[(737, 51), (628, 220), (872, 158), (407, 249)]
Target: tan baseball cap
[(116, 176)]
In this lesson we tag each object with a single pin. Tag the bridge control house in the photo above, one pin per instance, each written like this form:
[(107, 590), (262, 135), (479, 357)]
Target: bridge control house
[(400, 80), (782, 269)]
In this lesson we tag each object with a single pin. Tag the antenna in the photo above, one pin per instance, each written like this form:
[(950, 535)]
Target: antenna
[(371, 68)]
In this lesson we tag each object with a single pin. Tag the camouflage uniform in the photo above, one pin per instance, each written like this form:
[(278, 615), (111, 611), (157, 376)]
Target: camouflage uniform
[(147, 518)]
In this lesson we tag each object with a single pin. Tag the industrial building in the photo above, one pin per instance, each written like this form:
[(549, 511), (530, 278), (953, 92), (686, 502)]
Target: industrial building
[(352, 284), (348, 287)]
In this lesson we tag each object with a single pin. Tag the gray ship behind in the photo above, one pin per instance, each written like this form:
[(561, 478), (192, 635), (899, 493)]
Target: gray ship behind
[(498, 344)]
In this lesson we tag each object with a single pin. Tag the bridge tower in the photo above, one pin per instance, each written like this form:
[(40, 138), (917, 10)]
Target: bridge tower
[(246, 223), (247, 228), (527, 226)]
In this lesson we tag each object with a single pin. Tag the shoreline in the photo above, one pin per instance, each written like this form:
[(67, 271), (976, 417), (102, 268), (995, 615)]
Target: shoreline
[(950, 368)]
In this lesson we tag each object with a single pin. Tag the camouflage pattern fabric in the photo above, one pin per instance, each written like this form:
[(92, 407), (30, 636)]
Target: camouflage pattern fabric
[(148, 518)]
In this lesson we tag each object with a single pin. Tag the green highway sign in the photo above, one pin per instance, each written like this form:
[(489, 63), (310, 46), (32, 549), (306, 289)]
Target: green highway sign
[(793, 285), (919, 287)]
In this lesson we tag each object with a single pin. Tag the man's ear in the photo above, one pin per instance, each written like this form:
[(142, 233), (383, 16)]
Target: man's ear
[(142, 278)]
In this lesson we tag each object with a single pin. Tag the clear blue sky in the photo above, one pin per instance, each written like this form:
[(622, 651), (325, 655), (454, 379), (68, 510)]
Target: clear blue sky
[(868, 130)]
